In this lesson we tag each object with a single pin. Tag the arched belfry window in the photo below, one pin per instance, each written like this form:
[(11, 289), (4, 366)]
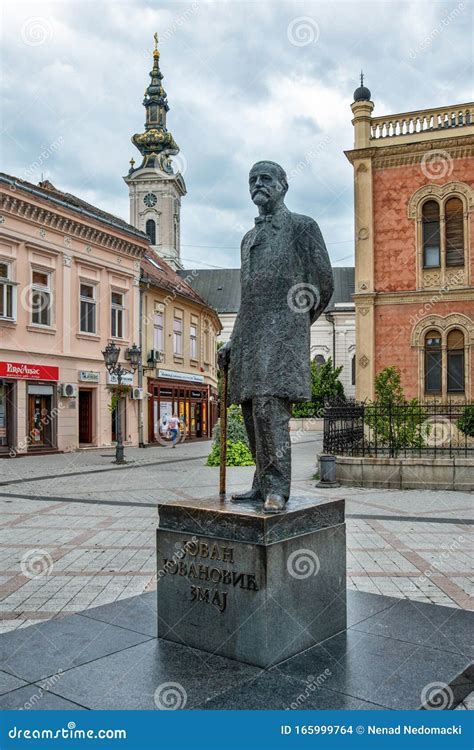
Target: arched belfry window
[(151, 231), (455, 363), (453, 212), (431, 234), (433, 362)]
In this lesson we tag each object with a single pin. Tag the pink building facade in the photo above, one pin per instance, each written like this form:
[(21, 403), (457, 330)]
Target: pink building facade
[(69, 284)]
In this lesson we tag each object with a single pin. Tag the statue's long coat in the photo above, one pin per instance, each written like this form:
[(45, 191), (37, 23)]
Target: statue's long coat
[(287, 281)]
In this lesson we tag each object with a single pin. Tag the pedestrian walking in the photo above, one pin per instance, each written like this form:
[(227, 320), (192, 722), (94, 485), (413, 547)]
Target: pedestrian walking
[(173, 427)]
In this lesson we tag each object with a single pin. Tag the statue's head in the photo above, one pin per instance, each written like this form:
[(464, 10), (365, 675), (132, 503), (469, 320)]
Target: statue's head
[(268, 185)]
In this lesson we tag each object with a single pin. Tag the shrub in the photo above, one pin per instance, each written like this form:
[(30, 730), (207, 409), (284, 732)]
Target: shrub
[(325, 386), (465, 422), (238, 454), (238, 451)]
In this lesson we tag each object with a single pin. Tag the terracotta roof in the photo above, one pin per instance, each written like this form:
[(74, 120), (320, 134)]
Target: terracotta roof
[(158, 273), (51, 193)]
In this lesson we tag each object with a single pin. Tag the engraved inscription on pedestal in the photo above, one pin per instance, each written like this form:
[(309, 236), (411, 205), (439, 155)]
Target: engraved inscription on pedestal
[(209, 568), (237, 590)]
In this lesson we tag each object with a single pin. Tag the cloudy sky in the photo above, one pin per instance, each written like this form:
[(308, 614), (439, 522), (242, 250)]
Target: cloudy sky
[(245, 81)]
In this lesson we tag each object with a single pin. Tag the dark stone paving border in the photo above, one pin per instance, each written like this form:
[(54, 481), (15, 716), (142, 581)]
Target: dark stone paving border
[(415, 519), (108, 658)]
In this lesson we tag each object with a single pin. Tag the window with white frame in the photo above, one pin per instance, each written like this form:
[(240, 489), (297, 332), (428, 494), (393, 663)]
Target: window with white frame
[(41, 298), (87, 322), (178, 336), (7, 293), (117, 315), (158, 332), (207, 349), (193, 340)]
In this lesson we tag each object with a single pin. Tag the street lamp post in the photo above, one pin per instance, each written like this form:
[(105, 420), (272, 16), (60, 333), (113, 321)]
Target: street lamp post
[(111, 355)]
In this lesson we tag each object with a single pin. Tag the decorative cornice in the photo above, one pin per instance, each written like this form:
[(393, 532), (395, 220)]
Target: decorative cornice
[(22, 208), (395, 155), (417, 297)]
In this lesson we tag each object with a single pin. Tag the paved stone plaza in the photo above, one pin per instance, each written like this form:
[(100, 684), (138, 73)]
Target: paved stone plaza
[(78, 532)]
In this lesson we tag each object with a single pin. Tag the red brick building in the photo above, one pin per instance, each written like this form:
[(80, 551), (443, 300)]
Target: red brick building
[(414, 224)]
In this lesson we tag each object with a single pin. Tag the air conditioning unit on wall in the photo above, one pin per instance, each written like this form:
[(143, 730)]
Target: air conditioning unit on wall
[(136, 394), (69, 390), (155, 356)]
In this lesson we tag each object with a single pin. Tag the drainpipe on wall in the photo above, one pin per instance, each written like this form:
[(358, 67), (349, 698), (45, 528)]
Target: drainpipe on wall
[(330, 319)]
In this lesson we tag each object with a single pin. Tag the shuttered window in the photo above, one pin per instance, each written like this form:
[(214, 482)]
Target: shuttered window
[(431, 234), (433, 362), (455, 353), (454, 232)]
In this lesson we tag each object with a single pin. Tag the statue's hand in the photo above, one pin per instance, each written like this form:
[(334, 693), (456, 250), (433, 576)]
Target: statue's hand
[(223, 356)]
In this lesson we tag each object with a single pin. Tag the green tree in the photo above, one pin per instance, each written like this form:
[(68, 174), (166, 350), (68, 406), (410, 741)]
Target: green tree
[(395, 421), (325, 386), (465, 422)]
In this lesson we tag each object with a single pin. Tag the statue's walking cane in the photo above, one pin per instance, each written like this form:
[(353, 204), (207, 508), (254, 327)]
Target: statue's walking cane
[(223, 433)]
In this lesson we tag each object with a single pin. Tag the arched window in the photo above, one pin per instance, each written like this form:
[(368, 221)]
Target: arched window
[(431, 244), (455, 364), (319, 361), (151, 231), (453, 212), (433, 362)]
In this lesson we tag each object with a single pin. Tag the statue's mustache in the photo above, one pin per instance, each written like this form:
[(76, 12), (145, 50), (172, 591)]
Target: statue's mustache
[(255, 191)]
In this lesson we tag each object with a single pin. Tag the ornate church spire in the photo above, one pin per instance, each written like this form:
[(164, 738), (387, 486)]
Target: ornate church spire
[(156, 144)]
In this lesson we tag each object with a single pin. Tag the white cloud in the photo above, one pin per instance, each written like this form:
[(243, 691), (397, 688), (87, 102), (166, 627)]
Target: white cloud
[(238, 89)]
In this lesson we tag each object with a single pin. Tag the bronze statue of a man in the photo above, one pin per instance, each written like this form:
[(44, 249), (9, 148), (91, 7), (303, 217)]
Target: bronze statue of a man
[(287, 281)]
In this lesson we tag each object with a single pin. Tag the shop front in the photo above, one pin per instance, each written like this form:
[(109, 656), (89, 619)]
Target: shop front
[(187, 396), (28, 391)]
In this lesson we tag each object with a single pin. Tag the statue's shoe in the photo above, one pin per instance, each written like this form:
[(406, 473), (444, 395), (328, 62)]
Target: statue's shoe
[(274, 503), (250, 496)]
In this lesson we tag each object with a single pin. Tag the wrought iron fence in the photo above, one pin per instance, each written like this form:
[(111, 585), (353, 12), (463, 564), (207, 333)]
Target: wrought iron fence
[(391, 430)]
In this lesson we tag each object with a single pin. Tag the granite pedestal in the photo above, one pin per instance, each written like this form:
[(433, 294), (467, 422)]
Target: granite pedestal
[(253, 587)]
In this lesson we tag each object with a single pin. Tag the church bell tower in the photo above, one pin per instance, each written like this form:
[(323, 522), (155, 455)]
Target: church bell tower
[(155, 188)]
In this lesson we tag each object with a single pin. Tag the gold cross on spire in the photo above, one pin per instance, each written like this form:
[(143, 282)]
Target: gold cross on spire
[(155, 51)]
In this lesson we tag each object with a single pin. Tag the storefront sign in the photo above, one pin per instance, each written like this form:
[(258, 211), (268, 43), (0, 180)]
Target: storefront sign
[(87, 376), (28, 372), (173, 375), (127, 379)]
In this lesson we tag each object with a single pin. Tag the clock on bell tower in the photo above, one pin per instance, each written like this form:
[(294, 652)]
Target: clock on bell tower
[(155, 188)]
